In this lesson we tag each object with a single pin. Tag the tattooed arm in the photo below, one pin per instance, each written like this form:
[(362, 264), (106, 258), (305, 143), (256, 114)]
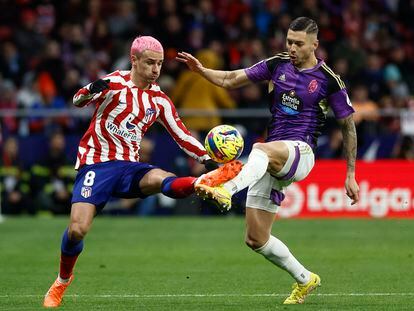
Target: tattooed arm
[(350, 148)]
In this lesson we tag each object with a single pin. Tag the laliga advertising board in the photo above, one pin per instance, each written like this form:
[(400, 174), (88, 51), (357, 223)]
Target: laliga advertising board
[(386, 190)]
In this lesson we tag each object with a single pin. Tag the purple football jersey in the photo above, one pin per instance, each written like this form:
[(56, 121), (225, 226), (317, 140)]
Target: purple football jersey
[(300, 98)]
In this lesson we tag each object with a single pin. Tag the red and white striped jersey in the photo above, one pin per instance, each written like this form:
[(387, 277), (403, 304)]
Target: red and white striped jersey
[(122, 115)]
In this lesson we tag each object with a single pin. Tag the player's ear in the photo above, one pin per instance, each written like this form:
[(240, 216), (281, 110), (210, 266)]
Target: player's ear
[(315, 44), (134, 59)]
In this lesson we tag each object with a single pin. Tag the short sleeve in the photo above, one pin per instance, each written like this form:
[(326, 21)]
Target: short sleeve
[(340, 104), (258, 72)]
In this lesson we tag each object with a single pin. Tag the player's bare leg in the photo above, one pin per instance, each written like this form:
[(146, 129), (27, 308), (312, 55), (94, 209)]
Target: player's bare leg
[(72, 243), (259, 238)]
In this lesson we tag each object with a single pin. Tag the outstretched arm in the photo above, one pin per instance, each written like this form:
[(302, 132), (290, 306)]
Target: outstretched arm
[(85, 95), (225, 79), (350, 149)]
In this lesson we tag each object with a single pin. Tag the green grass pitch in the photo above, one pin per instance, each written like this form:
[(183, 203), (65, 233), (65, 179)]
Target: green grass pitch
[(203, 264)]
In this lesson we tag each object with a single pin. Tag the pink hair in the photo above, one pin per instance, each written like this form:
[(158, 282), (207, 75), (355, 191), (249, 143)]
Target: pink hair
[(143, 43)]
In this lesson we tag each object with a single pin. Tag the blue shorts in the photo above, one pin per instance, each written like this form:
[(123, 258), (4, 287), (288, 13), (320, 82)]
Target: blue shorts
[(97, 183)]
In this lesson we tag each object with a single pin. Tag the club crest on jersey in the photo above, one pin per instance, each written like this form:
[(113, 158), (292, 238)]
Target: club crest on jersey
[(313, 85), (86, 192), (290, 103), (148, 114)]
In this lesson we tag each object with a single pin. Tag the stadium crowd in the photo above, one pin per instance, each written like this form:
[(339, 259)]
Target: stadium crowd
[(50, 49)]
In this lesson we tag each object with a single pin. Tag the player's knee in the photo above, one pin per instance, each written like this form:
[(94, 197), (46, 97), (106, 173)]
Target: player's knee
[(77, 231), (260, 146), (254, 241)]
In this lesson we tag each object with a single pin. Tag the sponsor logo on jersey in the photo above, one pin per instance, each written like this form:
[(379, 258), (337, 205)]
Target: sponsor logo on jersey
[(282, 77), (128, 134), (313, 85), (86, 192), (290, 103), (129, 126)]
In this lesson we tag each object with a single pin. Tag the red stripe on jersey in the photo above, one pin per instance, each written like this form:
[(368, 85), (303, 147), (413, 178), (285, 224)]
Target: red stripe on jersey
[(108, 109)]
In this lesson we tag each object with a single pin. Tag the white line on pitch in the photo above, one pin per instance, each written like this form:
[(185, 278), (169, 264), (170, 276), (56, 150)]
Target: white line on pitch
[(207, 295)]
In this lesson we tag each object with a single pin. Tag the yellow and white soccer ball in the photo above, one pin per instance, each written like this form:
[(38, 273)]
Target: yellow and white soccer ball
[(224, 143)]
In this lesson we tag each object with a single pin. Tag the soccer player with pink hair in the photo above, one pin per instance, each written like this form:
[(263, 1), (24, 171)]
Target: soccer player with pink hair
[(127, 104)]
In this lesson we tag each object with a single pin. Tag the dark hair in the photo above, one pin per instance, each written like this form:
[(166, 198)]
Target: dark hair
[(305, 24)]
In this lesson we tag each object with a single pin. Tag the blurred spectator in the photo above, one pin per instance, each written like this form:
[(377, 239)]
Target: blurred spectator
[(71, 84), (351, 50), (373, 76), (8, 102), (15, 191), (12, 65), (365, 108), (397, 87), (123, 20), (194, 92), (405, 148), (49, 101), (29, 40), (331, 147), (53, 178), (52, 64)]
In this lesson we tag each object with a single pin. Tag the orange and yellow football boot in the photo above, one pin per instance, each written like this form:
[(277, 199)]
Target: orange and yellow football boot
[(222, 174)]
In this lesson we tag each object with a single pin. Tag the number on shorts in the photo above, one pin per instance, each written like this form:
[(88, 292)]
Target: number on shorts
[(89, 178)]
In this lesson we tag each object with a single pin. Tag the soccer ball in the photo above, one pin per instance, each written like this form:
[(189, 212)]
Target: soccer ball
[(224, 143)]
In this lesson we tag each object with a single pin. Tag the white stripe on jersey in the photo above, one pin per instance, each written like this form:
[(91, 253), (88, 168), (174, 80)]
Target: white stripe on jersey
[(89, 155), (80, 155)]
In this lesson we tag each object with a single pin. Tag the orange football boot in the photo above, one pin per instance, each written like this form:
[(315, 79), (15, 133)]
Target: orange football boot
[(221, 175), (54, 295)]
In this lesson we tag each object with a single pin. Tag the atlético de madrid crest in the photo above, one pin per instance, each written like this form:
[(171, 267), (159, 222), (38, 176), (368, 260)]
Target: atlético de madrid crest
[(313, 85), (86, 192)]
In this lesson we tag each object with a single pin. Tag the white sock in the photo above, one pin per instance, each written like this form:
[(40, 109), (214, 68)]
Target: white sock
[(251, 172), (63, 281), (278, 253)]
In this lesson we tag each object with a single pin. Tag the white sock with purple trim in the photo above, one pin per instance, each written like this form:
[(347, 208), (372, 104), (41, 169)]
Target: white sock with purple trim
[(251, 172), (278, 253)]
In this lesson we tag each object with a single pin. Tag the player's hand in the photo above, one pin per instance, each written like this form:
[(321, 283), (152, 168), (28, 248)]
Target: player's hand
[(210, 165), (192, 62), (352, 189), (99, 86)]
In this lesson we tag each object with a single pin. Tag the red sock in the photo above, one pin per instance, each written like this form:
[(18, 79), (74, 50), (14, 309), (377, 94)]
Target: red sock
[(66, 265), (178, 187)]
